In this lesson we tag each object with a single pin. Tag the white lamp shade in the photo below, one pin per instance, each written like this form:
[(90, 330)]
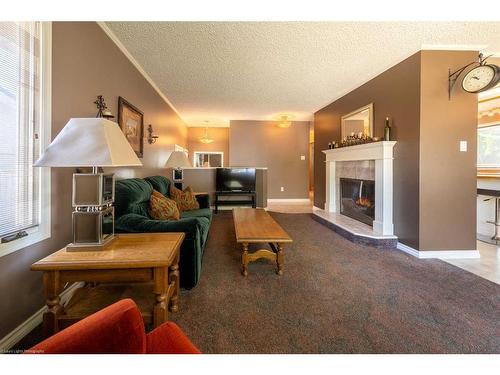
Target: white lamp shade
[(178, 159), (89, 142)]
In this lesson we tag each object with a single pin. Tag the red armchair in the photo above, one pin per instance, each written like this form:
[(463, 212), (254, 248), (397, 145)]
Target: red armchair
[(118, 328)]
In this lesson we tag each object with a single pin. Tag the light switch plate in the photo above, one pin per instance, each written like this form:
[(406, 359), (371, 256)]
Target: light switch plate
[(282, 188), (463, 146), (302, 157)]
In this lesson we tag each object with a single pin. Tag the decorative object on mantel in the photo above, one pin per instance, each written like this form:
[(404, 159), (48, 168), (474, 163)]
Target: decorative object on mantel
[(354, 139), (102, 108), (387, 130), (94, 142), (480, 78), (131, 121), (151, 138)]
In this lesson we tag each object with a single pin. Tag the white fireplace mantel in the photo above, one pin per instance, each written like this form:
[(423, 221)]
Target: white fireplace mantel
[(382, 153)]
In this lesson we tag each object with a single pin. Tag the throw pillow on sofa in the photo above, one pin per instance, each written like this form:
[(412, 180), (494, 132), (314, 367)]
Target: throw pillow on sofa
[(186, 200), (162, 208)]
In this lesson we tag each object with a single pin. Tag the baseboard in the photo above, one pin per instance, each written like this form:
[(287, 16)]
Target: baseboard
[(34, 320), (444, 254), (288, 200)]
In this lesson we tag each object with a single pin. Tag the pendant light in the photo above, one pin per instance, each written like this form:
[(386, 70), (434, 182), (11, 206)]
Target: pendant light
[(206, 139)]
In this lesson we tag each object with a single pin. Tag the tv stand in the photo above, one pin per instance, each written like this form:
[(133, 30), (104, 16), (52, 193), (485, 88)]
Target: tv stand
[(249, 195)]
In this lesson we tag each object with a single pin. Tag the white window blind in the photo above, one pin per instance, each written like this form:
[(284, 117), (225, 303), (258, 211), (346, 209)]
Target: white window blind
[(19, 126)]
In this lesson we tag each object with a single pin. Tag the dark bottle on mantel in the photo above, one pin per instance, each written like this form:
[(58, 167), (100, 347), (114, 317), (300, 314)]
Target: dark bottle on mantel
[(387, 130)]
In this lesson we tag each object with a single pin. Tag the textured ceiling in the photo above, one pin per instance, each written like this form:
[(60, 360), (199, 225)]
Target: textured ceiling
[(221, 71)]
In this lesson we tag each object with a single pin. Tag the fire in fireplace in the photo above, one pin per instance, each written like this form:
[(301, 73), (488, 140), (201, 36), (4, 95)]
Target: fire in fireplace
[(357, 199)]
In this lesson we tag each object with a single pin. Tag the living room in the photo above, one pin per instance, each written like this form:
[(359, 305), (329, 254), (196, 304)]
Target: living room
[(249, 187)]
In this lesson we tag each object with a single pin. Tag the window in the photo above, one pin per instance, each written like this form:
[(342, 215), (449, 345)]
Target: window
[(488, 146), (207, 159), (24, 131)]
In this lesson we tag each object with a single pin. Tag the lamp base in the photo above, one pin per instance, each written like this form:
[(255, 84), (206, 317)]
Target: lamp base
[(90, 246)]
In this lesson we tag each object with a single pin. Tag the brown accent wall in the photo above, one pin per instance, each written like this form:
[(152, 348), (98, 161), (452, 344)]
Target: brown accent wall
[(395, 94), (434, 183), (264, 144), (85, 63), (220, 143), (447, 176)]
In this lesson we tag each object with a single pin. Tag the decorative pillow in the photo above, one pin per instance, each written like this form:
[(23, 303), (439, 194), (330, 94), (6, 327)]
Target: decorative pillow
[(186, 201), (162, 208)]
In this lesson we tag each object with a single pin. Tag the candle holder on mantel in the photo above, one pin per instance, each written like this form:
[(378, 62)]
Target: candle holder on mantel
[(357, 139)]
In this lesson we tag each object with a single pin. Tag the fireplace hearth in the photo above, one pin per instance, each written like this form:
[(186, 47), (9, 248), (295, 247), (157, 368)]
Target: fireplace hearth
[(357, 199)]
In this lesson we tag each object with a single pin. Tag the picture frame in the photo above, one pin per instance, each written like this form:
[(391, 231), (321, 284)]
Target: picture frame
[(131, 121)]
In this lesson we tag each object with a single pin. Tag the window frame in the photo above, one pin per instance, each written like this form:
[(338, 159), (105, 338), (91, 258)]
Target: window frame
[(221, 153), (43, 230), (488, 170)]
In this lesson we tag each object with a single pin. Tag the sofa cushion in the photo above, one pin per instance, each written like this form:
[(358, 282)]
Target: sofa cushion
[(161, 184), (132, 196), (162, 208), (185, 199), (202, 212)]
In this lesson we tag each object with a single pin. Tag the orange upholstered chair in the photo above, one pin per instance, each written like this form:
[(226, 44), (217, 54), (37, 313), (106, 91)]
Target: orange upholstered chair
[(118, 328)]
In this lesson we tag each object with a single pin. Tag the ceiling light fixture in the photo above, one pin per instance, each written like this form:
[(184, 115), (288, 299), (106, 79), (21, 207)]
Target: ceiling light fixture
[(285, 122), (206, 139)]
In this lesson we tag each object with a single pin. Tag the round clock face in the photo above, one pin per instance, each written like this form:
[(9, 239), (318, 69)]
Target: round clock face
[(480, 78)]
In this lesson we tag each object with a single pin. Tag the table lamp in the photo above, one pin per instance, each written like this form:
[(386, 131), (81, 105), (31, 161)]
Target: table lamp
[(91, 142), (177, 160)]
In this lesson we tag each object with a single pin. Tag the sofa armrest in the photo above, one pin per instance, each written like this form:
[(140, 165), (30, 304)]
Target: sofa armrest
[(118, 328), (203, 200), (169, 339), (141, 224)]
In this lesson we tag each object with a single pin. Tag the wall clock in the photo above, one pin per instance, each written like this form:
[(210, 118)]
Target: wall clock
[(481, 78)]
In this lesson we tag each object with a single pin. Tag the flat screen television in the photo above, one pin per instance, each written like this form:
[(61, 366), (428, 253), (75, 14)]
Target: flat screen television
[(235, 179)]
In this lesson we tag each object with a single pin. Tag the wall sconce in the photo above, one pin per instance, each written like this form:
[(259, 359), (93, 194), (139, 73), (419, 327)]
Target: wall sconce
[(151, 138)]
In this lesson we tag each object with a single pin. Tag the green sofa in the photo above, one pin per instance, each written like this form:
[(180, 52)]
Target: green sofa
[(132, 216)]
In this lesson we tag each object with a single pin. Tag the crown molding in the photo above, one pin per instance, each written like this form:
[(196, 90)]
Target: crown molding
[(138, 66), (454, 47)]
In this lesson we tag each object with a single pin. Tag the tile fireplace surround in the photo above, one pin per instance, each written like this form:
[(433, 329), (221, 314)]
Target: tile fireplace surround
[(370, 161)]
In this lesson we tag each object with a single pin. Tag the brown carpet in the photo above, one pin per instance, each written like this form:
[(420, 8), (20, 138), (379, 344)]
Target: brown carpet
[(335, 297)]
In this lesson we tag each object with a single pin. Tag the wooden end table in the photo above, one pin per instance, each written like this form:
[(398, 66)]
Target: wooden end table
[(142, 266), (256, 226)]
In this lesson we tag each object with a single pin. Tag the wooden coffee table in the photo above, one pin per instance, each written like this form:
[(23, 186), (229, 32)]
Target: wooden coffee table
[(141, 266), (257, 226)]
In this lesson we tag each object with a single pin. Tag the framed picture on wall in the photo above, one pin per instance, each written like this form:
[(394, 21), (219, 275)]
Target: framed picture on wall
[(131, 121)]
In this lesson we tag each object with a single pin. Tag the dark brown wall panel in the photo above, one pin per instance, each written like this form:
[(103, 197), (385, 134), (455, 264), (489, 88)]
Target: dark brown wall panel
[(395, 94), (447, 176)]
